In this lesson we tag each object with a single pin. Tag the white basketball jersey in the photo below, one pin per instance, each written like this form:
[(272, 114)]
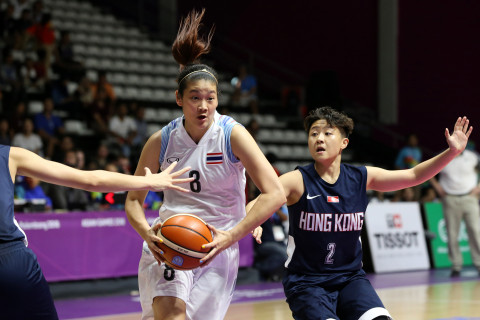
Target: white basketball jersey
[(217, 195)]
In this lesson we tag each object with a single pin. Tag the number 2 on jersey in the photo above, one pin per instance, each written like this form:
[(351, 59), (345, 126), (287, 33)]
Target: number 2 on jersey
[(331, 251)]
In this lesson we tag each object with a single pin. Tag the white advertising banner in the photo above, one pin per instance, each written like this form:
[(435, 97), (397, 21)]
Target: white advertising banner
[(396, 237)]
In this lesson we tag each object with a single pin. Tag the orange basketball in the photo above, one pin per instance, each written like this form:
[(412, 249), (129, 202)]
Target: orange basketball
[(183, 236)]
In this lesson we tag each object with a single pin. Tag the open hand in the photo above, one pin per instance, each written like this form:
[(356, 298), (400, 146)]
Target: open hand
[(167, 180), (457, 141)]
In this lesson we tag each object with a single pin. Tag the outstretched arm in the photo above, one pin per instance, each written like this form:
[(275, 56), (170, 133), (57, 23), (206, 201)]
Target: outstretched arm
[(27, 163), (390, 180)]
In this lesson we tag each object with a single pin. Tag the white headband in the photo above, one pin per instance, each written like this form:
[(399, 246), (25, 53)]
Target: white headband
[(203, 70)]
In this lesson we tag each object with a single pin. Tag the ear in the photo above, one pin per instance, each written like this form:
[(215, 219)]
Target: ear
[(345, 142), (178, 98)]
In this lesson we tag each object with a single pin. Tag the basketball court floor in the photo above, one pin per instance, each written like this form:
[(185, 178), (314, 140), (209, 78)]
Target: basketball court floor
[(418, 295)]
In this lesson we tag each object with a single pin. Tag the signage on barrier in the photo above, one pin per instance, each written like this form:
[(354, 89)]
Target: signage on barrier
[(439, 244), (396, 237)]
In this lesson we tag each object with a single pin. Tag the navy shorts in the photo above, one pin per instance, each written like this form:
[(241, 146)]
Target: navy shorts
[(24, 292), (346, 296)]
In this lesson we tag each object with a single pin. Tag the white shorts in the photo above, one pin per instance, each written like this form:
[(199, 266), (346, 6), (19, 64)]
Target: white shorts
[(206, 291)]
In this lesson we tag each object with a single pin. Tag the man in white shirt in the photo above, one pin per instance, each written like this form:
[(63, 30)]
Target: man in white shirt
[(123, 129), (458, 187)]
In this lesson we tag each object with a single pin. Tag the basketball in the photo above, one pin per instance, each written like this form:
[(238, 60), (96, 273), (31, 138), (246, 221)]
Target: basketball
[(183, 236)]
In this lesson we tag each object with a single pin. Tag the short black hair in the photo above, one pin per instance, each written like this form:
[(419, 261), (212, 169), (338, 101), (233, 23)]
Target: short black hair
[(333, 117)]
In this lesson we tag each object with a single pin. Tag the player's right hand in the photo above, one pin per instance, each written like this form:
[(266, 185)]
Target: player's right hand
[(152, 241)]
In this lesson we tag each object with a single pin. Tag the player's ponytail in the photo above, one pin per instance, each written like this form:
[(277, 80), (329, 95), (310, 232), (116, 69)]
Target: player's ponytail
[(187, 49), (188, 46)]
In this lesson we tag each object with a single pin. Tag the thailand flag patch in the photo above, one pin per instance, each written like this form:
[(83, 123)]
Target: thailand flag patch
[(333, 199), (215, 158)]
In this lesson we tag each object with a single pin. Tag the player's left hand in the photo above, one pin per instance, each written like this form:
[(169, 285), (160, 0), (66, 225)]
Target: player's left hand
[(221, 241), (257, 234), (457, 141)]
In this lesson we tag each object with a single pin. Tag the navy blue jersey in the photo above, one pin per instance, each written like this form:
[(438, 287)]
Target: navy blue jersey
[(8, 229), (325, 224), (24, 292)]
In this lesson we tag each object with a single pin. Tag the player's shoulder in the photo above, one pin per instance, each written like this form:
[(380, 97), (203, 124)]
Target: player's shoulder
[(354, 168), (291, 179), (292, 183), (225, 121), (292, 175)]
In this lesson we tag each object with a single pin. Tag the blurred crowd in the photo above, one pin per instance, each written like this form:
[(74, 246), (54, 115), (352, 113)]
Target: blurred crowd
[(38, 63)]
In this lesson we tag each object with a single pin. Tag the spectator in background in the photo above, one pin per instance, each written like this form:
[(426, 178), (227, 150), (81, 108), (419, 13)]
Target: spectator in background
[(405, 195), (101, 158), (7, 25), (37, 11), (80, 159), (31, 80), (17, 118), (271, 254), (18, 7), (100, 111), (22, 40), (124, 164), (245, 90), (40, 65), (141, 124), (408, 157), (10, 81), (28, 139), (83, 99), (428, 194), (459, 189), (44, 35), (84, 92), (49, 127), (63, 99), (65, 64), (142, 134), (378, 197), (153, 200), (77, 199), (30, 189), (66, 144), (9, 72), (5, 137), (102, 85), (123, 129), (66, 198)]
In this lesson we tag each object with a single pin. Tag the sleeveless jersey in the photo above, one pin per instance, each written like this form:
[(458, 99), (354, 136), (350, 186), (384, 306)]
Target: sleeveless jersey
[(9, 230), (325, 224), (217, 194)]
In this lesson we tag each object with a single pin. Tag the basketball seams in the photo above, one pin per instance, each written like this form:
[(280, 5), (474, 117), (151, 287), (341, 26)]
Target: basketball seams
[(187, 228), (185, 214)]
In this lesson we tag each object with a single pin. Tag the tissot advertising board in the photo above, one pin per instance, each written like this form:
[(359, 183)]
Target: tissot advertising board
[(396, 237)]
